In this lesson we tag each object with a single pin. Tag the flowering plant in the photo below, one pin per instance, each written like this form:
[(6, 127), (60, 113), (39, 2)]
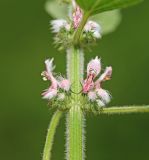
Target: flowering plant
[(73, 94)]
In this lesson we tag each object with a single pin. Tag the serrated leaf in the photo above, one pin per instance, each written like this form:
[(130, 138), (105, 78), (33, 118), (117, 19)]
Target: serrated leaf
[(109, 20), (98, 6), (56, 10)]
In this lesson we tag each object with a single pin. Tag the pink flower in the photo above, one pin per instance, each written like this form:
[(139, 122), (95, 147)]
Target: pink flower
[(77, 17), (64, 84), (56, 83), (104, 95), (47, 75), (93, 69), (88, 84), (49, 93), (106, 75), (93, 89), (93, 27)]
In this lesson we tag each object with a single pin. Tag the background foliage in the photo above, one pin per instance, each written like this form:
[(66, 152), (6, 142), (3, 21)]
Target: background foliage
[(26, 41)]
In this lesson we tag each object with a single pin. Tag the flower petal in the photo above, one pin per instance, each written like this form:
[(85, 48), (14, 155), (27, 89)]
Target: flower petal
[(49, 94), (94, 67), (104, 95), (106, 75)]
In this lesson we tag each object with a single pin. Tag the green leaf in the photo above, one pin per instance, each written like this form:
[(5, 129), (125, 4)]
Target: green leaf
[(56, 10), (109, 20), (98, 6)]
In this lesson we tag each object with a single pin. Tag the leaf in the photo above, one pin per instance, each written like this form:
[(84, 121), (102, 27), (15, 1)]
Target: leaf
[(98, 6), (109, 20), (56, 10)]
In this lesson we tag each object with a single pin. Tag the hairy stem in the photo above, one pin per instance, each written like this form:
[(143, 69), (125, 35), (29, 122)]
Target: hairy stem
[(120, 110), (75, 115), (50, 135), (125, 109)]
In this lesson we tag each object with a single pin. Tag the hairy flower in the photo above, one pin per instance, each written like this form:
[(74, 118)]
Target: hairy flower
[(106, 75), (94, 28), (88, 84), (93, 88), (53, 90), (104, 95), (58, 24), (48, 75), (49, 93), (64, 84), (94, 67)]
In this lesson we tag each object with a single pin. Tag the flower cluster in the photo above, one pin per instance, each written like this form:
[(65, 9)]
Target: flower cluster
[(64, 30), (92, 88), (59, 86)]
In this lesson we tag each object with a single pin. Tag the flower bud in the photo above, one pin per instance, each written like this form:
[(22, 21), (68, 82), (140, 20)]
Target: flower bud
[(77, 17)]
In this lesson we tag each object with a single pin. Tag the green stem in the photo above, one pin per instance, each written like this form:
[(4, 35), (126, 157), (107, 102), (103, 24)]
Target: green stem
[(75, 116), (123, 110), (50, 135), (80, 29)]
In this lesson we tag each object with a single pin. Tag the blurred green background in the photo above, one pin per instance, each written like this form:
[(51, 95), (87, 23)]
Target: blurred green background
[(26, 41)]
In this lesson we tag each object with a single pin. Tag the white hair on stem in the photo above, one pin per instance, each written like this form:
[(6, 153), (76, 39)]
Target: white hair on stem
[(67, 137), (69, 61), (81, 64), (83, 136)]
